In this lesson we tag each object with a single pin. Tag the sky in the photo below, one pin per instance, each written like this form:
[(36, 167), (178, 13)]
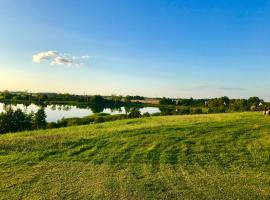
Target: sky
[(153, 48)]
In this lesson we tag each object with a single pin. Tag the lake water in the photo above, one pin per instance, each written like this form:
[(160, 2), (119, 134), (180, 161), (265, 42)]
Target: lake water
[(56, 112)]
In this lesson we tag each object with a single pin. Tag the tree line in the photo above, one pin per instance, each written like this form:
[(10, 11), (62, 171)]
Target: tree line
[(44, 98), (218, 105), (221, 104)]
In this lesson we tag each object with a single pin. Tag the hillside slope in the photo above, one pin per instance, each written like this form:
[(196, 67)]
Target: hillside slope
[(219, 156)]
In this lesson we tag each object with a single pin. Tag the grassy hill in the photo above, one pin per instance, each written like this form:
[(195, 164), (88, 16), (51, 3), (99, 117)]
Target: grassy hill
[(218, 156)]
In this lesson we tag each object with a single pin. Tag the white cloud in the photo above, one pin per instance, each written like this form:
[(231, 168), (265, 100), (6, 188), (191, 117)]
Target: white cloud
[(56, 58), (43, 56), (62, 61)]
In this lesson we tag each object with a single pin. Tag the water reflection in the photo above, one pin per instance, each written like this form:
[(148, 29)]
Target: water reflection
[(55, 112)]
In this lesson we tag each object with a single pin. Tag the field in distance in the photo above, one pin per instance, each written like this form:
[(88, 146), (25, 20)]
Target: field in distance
[(217, 156)]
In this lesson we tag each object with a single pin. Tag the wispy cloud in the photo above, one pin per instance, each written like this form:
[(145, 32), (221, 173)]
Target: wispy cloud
[(55, 58)]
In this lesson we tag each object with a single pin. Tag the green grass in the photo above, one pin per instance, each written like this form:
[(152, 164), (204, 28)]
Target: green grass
[(218, 156)]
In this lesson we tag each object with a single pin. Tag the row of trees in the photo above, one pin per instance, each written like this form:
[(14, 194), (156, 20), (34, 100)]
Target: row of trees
[(216, 104), (15, 121), (167, 101), (128, 98), (49, 97), (54, 97), (114, 99), (40, 97), (182, 102)]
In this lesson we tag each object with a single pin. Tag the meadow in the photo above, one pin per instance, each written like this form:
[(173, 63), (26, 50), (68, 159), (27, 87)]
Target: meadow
[(214, 156)]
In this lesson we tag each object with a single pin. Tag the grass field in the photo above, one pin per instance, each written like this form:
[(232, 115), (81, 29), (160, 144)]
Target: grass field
[(218, 156)]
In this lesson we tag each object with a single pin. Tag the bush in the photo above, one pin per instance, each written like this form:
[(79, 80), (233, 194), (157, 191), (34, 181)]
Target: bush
[(156, 114), (134, 113), (52, 125), (99, 120), (220, 109), (146, 114), (196, 111), (183, 111), (210, 110), (73, 122)]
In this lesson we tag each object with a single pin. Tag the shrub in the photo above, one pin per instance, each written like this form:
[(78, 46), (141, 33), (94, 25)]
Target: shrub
[(156, 114), (183, 111), (210, 110), (146, 114), (196, 111), (72, 122), (52, 125), (99, 120), (134, 113), (220, 109)]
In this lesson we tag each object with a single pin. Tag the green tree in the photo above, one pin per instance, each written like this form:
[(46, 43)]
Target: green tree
[(254, 101), (40, 119), (116, 99), (225, 100), (167, 101), (14, 121), (42, 97), (97, 99), (134, 113), (6, 121), (7, 95), (128, 99)]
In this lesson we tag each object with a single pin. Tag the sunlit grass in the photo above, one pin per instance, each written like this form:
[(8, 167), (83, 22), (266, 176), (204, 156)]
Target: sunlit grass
[(219, 156)]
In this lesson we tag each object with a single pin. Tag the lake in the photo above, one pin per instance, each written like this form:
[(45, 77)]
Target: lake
[(56, 112)]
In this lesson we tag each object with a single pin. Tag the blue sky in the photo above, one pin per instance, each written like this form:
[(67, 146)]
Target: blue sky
[(187, 48)]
